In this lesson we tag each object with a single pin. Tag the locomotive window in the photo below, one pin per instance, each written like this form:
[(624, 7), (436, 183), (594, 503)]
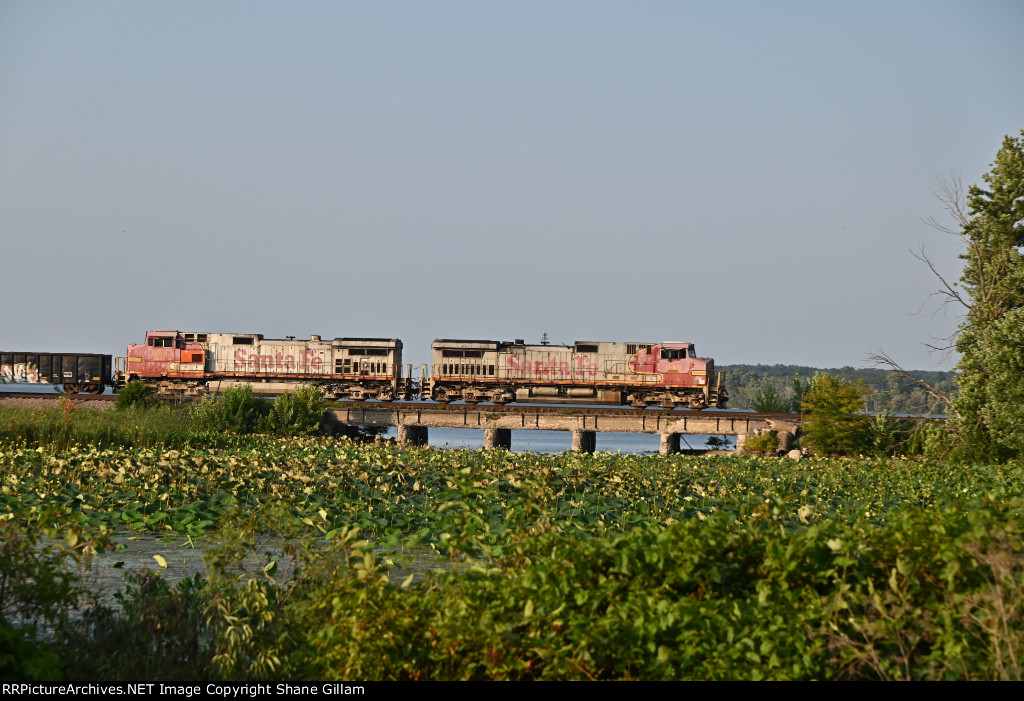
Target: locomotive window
[(376, 351), (693, 352), (451, 354), (586, 348), (474, 354), (242, 341), (673, 354), (149, 342)]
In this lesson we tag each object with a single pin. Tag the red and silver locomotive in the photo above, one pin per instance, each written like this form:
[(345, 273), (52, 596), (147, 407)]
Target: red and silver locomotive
[(667, 374), (195, 362)]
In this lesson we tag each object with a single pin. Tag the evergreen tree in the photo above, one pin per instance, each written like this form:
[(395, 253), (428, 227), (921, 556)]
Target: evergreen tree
[(990, 403), (834, 424)]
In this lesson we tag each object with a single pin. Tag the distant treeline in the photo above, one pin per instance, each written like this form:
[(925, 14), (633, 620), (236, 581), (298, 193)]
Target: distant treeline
[(887, 391)]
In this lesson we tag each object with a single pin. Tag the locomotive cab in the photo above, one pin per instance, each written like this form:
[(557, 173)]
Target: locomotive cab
[(164, 357)]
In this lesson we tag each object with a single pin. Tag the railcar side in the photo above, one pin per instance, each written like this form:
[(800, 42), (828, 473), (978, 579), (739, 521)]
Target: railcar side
[(640, 374), (77, 372), (194, 362)]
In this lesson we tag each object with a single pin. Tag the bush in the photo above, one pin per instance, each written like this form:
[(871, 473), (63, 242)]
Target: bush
[(295, 414), (135, 394), (765, 444), (834, 425), (240, 411)]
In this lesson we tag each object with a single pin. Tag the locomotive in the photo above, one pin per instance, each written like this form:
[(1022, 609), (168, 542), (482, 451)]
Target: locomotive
[(667, 374), (193, 363)]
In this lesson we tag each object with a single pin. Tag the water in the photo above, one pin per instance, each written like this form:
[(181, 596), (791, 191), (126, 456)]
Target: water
[(178, 557), (536, 441)]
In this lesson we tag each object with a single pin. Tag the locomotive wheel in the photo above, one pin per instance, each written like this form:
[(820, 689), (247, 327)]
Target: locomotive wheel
[(71, 388)]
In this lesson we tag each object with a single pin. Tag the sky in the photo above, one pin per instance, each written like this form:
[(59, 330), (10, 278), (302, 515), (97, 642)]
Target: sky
[(747, 176)]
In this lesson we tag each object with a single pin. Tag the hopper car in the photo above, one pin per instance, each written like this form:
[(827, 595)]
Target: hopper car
[(77, 372)]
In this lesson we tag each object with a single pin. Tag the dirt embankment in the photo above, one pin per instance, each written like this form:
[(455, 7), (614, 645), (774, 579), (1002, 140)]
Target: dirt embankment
[(48, 401)]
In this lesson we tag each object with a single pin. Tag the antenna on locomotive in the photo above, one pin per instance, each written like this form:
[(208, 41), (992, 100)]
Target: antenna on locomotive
[(544, 339)]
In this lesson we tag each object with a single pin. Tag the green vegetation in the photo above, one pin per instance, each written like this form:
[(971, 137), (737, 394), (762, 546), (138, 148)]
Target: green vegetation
[(765, 444), (67, 425), (779, 388), (135, 394), (569, 566), (834, 424), (240, 411), (990, 341), (139, 422)]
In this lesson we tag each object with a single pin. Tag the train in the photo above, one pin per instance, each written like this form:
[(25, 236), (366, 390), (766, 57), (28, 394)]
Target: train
[(649, 374)]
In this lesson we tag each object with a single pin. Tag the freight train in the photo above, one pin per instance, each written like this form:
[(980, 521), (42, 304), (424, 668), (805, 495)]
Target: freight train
[(666, 374)]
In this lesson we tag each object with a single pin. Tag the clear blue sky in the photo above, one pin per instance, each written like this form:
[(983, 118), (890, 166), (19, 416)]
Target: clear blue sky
[(749, 176)]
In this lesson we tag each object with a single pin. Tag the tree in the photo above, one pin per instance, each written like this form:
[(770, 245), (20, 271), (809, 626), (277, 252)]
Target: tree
[(768, 401), (988, 410), (834, 424), (990, 338)]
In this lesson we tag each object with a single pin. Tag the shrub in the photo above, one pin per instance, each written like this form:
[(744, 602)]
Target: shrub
[(765, 444), (134, 394), (834, 425), (238, 411), (295, 414)]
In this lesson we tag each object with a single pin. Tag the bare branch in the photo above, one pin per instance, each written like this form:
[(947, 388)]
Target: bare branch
[(881, 358), (950, 291), (950, 191)]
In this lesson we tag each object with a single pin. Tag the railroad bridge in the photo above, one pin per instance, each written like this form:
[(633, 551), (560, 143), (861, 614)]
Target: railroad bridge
[(497, 422)]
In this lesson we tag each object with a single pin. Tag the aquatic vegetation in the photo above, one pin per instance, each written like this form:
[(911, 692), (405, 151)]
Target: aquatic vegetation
[(570, 566)]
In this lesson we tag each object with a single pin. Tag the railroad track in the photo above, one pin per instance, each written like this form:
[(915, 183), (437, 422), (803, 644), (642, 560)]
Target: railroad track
[(56, 396)]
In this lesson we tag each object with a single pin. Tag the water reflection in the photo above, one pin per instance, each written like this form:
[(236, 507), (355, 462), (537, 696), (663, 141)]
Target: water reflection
[(176, 558)]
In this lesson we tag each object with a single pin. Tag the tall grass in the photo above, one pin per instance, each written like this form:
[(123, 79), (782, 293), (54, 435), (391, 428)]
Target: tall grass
[(66, 425)]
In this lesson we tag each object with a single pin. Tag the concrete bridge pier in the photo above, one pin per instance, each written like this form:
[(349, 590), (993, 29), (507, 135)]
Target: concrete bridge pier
[(584, 441), (669, 444), (412, 436), (497, 438)]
